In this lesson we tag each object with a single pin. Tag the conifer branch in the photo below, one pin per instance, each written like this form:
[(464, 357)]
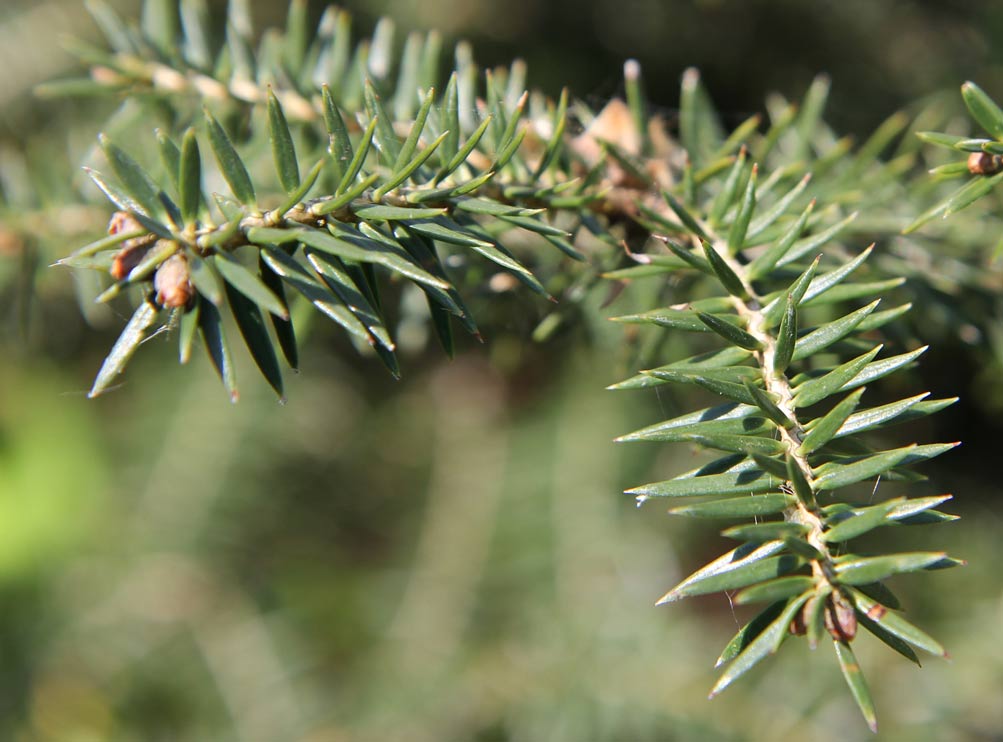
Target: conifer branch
[(380, 175)]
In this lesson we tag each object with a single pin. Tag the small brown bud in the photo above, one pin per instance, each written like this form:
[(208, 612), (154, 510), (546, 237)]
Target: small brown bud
[(127, 258), (123, 221), (174, 289), (133, 249), (840, 618), (983, 163)]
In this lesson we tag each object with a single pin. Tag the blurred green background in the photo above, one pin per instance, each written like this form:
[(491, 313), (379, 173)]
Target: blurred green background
[(447, 557)]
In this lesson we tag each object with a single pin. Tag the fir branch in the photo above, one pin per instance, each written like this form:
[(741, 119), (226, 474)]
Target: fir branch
[(781, 458), (377, 171)]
